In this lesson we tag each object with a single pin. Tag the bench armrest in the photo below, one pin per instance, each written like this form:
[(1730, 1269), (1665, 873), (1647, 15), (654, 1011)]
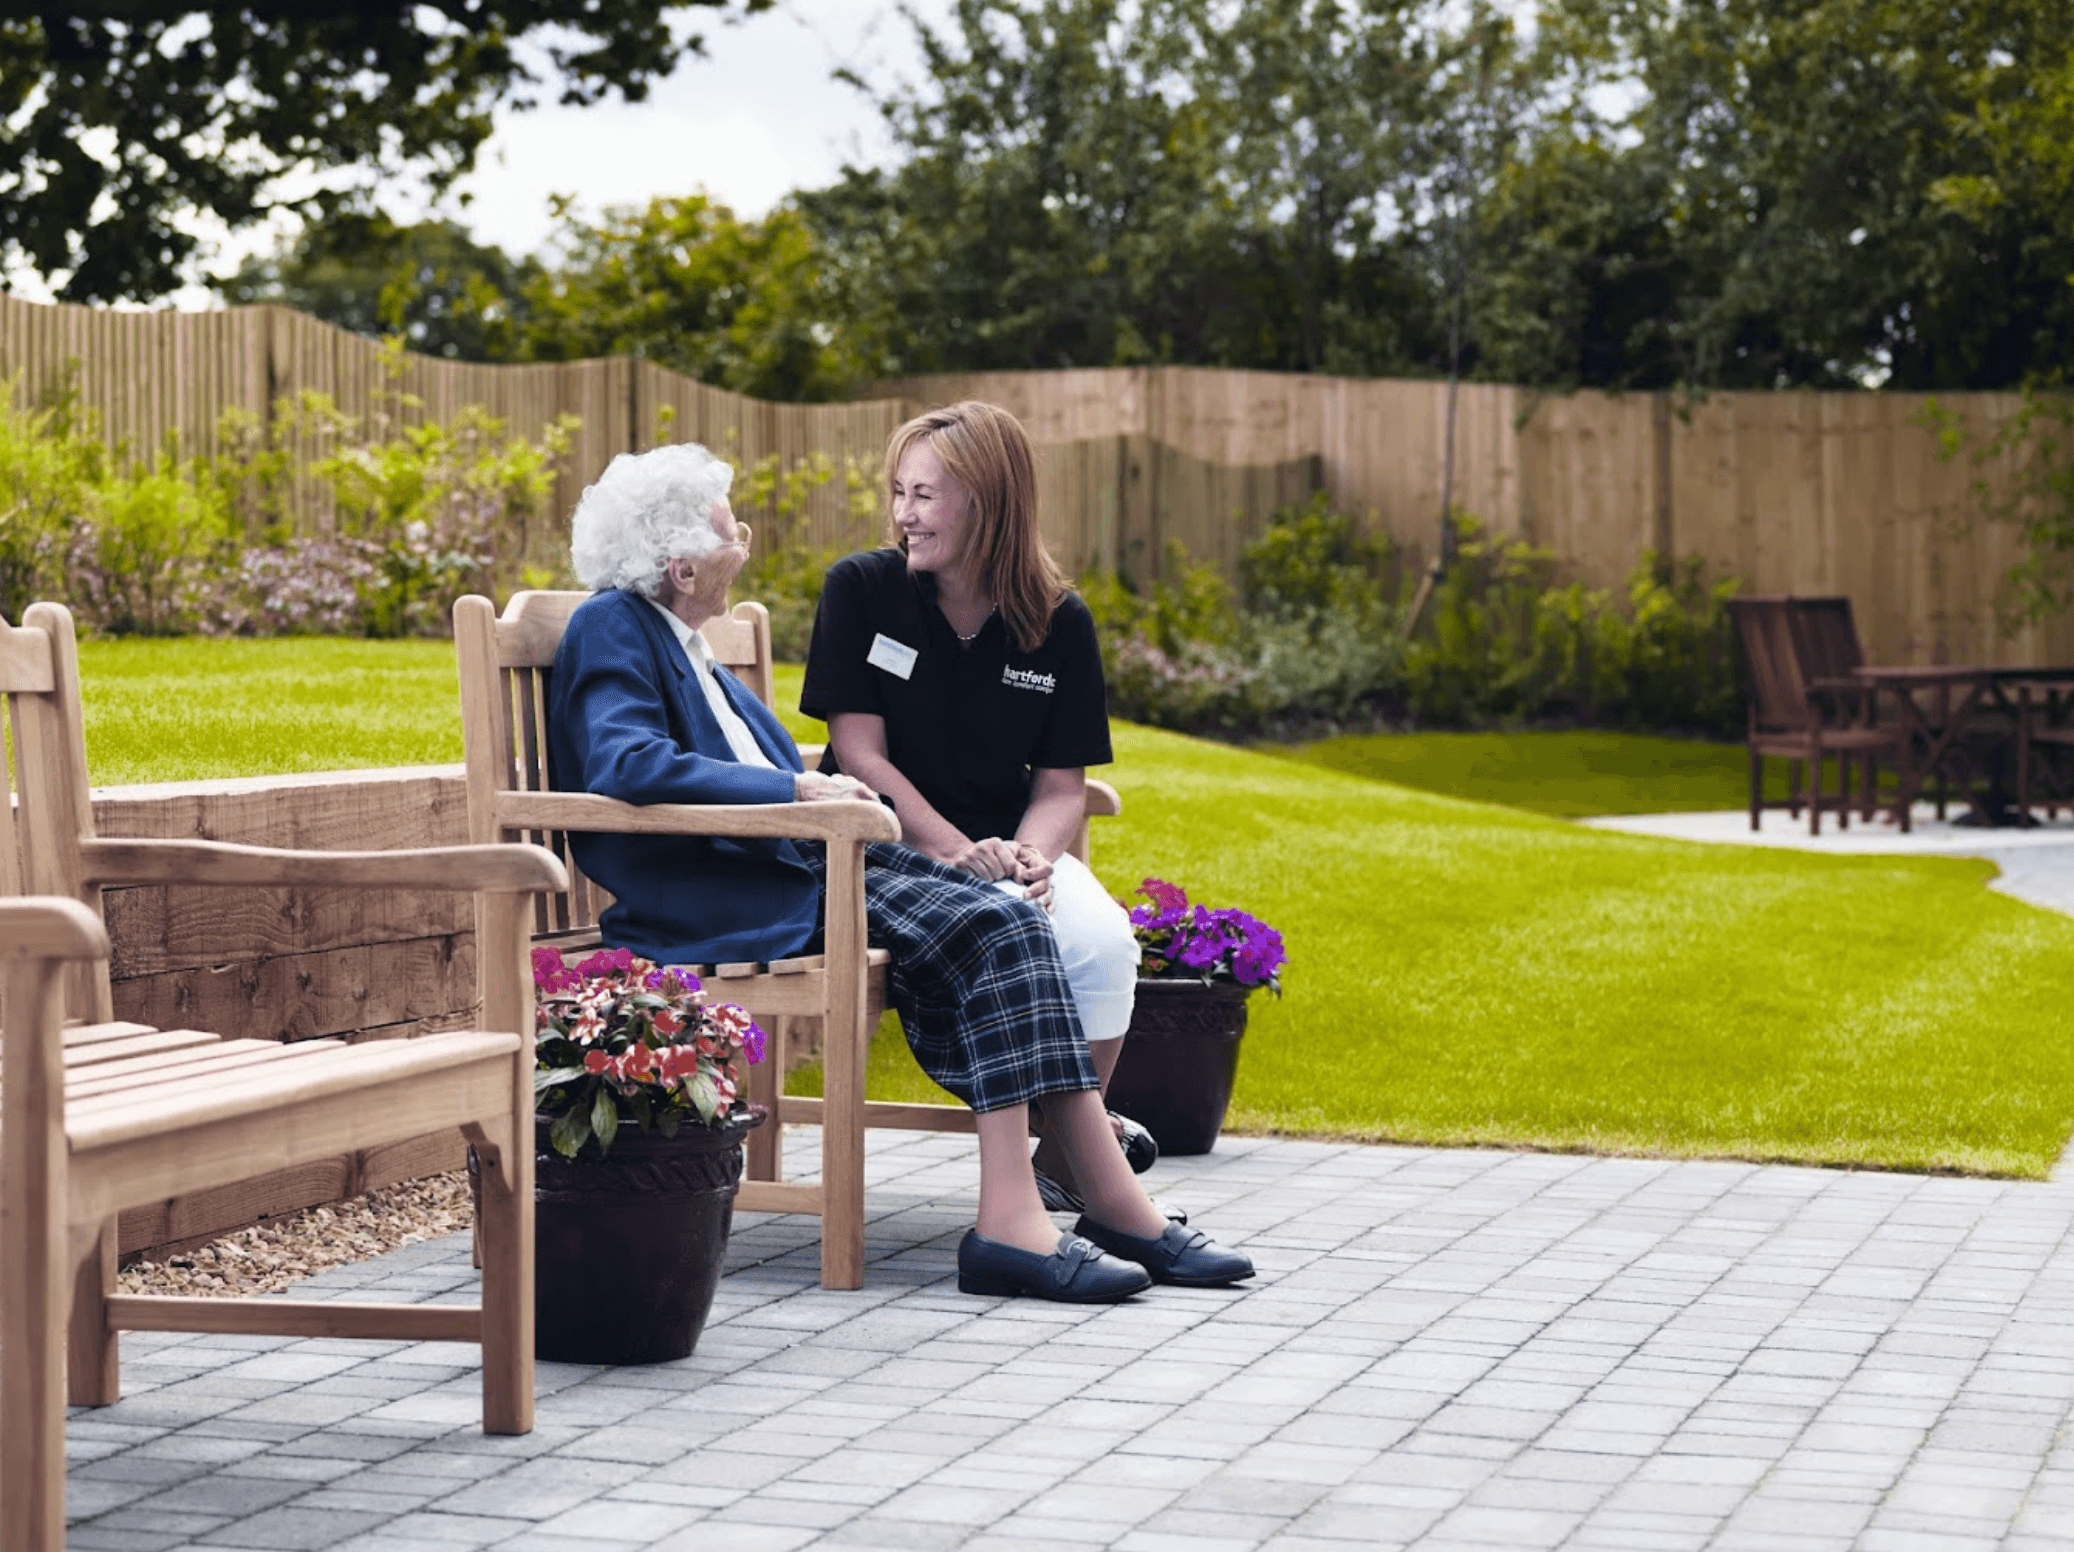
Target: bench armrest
[(842, 819), (50, 927), (508, 869)]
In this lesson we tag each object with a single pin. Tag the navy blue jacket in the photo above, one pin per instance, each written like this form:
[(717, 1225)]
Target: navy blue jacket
[(628, 720)]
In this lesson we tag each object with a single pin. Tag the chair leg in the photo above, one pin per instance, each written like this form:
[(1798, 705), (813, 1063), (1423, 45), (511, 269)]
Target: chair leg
[(93, 1363), (32, 1399), (765, 1147), (1756, 788), (507, 1291), (33, 1256), (842, 1158), (1815, 790), (2023, 760)]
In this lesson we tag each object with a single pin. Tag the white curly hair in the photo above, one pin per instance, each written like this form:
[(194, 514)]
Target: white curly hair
[(644, 511)]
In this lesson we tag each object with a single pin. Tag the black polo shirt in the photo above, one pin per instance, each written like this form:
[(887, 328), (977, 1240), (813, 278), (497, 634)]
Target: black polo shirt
[(965, 724)]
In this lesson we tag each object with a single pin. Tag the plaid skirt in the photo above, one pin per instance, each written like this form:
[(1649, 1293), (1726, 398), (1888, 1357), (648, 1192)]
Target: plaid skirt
[(976, 980)]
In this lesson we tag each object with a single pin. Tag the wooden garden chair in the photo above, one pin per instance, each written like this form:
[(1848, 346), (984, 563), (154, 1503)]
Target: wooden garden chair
[(97, 1116), (2045, 748), (1807, 716), (505, 663)]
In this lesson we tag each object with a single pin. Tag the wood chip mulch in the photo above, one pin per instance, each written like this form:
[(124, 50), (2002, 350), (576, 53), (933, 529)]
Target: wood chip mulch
[(272, 1255)]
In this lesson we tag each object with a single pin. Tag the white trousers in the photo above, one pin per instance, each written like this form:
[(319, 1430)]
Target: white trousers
[(1096, 947)]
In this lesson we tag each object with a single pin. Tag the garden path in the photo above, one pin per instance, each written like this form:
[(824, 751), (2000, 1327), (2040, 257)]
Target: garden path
[(1446, 1349), (2036, 865)]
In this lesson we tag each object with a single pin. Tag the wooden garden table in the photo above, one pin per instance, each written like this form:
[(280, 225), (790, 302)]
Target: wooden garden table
[(1937, 704)]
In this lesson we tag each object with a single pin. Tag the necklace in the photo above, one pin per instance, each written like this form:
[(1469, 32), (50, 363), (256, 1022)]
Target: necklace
[(965, 640)]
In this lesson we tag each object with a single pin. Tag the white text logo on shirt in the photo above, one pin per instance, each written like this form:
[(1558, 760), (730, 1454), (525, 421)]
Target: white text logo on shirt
[(1028, 679)]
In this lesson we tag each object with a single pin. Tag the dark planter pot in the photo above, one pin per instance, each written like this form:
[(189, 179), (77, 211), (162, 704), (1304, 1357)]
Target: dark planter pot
[(1179, 1058), (628, 1246)]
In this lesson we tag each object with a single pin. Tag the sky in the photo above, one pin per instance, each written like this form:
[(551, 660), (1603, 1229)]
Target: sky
[(757, 115)]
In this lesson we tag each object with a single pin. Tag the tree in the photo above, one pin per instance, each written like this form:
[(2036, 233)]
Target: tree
[(683, 282), (1323, 107), (448, 294), (1056, 203), (1802, 193), (1090, 183), (121, 119)]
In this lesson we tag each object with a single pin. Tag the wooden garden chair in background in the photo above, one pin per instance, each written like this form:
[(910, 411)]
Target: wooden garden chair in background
[(504, 664), (2045, 748), (97, 1116), (1809, 717)]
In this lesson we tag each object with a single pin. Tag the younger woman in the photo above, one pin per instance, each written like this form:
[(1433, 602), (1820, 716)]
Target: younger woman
[(960, 676)]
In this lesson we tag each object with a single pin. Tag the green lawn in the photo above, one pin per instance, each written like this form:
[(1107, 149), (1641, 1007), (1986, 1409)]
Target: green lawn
[(1460, 972), (178, 710), (175, 710), (1567, 774)]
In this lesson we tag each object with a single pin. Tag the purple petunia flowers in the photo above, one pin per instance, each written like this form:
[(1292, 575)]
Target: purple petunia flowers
[(1192, 941)]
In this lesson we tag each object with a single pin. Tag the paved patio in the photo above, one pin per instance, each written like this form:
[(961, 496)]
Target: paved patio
[(1444, 1349)]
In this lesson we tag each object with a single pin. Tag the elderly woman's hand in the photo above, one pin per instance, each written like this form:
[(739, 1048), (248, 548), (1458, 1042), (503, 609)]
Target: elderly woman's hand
[(813, 787)]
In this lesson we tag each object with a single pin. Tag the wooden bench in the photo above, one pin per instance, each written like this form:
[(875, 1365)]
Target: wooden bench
[(97, 1115), (504, 664)]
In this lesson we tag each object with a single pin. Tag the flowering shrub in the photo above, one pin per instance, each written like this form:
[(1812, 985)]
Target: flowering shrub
[(617, 1038), (1180, 941), (306, 587)]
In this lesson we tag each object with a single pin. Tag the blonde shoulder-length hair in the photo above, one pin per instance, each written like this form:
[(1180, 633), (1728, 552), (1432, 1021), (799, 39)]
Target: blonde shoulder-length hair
[(985, 451)]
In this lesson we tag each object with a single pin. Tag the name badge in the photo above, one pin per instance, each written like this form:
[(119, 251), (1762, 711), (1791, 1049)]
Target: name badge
[(896, 658)]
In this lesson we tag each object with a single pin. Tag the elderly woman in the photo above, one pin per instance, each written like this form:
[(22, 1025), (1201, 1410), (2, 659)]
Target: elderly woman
[(640, 712)]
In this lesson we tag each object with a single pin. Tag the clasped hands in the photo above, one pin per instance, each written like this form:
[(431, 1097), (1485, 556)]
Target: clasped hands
[(994, 860), (997, 860)]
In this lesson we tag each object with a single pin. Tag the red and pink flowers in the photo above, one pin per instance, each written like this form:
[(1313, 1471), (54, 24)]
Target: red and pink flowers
[(1182, 942), (618, 1038)]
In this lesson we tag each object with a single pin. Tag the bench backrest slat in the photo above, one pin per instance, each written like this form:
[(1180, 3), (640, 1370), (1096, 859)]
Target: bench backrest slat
[(1778, 682), (51, 808)]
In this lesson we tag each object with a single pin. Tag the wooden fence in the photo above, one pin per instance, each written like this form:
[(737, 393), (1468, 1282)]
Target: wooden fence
[(1109, 501), (1792, 492)]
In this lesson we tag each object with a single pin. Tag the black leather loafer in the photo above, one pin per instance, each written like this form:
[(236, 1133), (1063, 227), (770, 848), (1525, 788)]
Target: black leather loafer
[(1075, 1273), (1185, 1257), (1140, 1148)]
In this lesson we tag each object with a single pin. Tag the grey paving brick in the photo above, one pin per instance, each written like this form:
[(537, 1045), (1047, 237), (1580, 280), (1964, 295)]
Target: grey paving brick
[(294, 1528), (365, 1499), (100, 1539), (220, 1494), (184, 1525), (709, 1536)]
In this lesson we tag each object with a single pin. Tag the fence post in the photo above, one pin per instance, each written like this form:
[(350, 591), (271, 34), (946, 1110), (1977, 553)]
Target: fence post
[(1662, 536)]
